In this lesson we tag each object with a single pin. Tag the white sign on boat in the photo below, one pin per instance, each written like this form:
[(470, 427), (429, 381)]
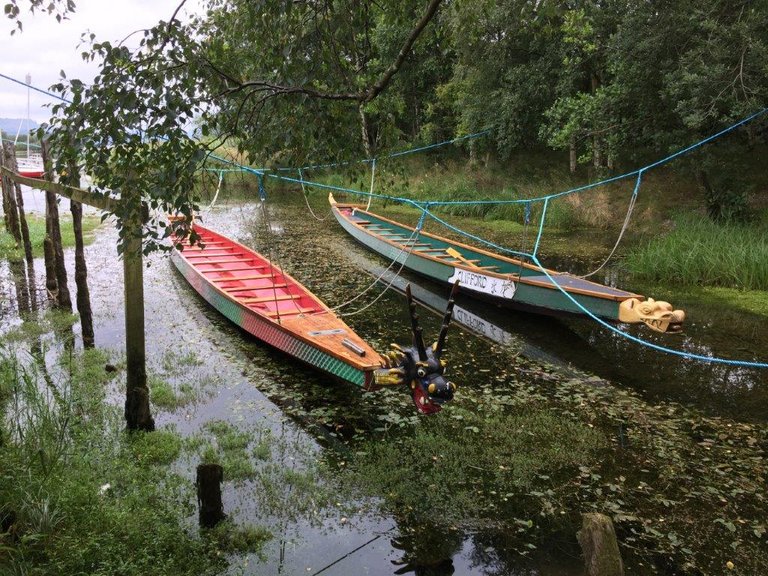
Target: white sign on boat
[(498, 287)]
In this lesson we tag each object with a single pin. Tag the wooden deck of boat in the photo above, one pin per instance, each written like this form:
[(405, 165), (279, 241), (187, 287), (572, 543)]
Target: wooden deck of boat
[(571, 282), (251, 280), (422, 245)]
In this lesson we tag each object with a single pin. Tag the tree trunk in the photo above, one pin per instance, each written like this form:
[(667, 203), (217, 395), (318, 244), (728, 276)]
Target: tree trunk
[(81, 269), (598, 543), (209, 478), (597, 144), (10, 209), (367, 133), (573, 157), (597, 152), (81, 277), (53, 230), (137, 411), (51, 286), (22, 288)]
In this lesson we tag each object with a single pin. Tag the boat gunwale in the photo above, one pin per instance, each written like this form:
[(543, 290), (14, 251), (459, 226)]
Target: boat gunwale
[(474, 269)]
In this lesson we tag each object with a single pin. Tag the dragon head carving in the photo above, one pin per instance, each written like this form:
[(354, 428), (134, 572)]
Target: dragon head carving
[(656, 314), (418, 367)]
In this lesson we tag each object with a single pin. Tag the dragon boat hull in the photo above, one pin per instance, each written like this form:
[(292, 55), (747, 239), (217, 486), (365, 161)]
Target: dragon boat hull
[(505, 281), (266, 302)]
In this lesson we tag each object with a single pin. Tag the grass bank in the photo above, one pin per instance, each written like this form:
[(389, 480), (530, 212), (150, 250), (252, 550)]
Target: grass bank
[(9, 250), (698, 251)]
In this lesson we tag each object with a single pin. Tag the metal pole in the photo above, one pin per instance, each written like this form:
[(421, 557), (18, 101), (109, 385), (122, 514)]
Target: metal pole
[(29, 120)]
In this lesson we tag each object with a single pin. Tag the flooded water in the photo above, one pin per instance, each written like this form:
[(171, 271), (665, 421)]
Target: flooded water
[(253, 387)]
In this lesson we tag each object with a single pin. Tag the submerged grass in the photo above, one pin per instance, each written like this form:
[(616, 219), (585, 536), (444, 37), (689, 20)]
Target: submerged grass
[(497, 462), (79, 495), (700, 252)]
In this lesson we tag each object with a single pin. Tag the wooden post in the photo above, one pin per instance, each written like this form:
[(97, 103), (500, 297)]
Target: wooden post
[(209, 478), (10, 161), (599, 545), (10, 209), (53, 230), (137, 411), (81, 268)]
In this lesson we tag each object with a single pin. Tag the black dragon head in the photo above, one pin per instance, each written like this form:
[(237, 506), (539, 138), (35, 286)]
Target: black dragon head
[(418, 367)]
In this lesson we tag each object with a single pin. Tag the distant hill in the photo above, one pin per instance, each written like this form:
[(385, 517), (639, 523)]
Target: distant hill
[(11, 125)]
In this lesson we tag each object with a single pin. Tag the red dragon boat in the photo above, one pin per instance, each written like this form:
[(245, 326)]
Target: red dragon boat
[(271, 305)]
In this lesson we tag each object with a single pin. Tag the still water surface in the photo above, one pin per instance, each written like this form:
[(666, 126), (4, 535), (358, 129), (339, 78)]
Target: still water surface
[(246, 383)]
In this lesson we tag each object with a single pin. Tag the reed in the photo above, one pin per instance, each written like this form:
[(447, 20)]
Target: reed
[(698, 251)]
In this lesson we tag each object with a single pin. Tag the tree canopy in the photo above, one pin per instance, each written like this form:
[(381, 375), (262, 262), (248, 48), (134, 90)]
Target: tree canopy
[(292, 81)]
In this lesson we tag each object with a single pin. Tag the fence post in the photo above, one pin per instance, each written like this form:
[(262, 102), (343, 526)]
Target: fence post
[(137, 411)]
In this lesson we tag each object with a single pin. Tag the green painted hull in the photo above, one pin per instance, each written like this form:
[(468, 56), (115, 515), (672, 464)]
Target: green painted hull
[(504, 281)]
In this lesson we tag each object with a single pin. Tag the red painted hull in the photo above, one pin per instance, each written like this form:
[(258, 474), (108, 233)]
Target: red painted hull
[(31, 172)]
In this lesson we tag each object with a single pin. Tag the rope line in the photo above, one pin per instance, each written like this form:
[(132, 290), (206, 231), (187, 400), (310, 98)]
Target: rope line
[(373, 175), (614, 329), (425, 209), (306, 200), (411, 243), (394, 154), (627, 218), (218, 189)]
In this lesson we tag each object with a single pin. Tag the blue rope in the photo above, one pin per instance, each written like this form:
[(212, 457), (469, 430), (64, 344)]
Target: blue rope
[(51, 94), (600, 321), (664, 160), (712, 359), (424, 207), (393, 155), (31, 144)]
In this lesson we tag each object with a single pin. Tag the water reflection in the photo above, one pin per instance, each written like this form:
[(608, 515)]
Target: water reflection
[(329, 263)]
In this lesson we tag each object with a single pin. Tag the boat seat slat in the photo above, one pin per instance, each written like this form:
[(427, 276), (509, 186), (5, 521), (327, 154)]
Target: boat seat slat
[(229, 260), (292, 311), (208, 254), (240, 278), (272, 298), (233, 269), (236, 289)]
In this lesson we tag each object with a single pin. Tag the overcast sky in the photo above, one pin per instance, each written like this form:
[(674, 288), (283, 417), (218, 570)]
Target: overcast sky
[(45, 46)]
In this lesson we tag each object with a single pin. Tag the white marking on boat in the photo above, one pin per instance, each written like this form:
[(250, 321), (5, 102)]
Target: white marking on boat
[(498, 287)]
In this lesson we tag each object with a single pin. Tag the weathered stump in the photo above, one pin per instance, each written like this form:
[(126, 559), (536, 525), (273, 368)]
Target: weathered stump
[(209, 479), (599, 545)]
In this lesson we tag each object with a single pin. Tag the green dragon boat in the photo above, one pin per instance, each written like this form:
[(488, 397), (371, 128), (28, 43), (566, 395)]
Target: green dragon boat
[(500, 279)]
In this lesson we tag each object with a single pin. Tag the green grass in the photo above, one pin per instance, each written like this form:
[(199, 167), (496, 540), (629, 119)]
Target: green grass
[(700, 252), (9, 250), (84, 496)]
